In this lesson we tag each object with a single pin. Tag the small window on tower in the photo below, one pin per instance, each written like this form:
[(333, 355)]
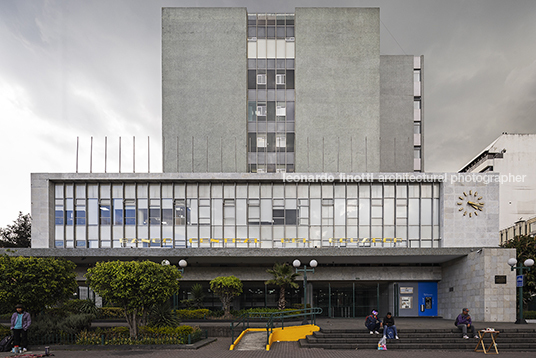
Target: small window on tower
[(261, 79), (261, 140), (261, 110), (281, 141), (280, 79), (281, 109)]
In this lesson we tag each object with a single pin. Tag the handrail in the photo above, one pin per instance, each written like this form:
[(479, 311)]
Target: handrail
[(271, 317), (280, 315), (241, 319)]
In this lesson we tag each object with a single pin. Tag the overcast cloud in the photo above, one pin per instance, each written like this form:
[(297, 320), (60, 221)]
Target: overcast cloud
[(93, 68)]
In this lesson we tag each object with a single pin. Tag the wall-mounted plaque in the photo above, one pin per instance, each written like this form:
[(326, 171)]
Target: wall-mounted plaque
[(406, 302), (500, 279), (406, 290)]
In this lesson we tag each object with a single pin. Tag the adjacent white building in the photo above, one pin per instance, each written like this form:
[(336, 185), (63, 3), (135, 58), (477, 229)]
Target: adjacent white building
[(512, 156)]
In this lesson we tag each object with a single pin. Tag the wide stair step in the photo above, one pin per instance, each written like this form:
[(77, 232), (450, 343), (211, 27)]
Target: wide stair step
[(512, 340)]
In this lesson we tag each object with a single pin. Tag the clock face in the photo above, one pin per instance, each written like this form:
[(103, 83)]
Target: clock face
[(470, 203)]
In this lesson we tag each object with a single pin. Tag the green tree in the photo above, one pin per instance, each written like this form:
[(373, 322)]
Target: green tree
[(226, 288), (284, 277), (36, 283), (525, 249), (135, 286), (198, 295), (18, 234)]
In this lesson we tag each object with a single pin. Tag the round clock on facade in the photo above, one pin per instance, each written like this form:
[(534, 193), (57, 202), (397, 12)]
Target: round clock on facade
[(471, 203)]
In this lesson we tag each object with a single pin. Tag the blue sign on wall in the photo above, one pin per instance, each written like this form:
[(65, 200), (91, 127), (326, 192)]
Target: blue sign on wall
[(520, 280)]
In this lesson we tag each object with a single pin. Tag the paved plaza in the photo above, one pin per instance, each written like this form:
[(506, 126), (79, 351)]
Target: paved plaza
[(220, 348)]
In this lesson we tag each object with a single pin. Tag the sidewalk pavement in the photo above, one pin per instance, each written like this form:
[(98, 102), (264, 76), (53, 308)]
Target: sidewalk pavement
[(220, 349)]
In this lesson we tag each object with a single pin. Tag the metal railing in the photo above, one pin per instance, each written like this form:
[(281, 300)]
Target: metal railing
[(271, 318), (312, 312)]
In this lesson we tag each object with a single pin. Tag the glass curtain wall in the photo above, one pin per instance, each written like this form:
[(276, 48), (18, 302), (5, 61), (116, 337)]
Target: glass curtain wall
[(246, 214)]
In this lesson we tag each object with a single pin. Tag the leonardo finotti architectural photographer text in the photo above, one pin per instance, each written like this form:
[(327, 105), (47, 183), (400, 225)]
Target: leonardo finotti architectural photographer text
[(403, 177)]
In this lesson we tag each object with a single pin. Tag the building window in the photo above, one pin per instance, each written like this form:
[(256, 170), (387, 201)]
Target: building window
[(130, 212), (416, 104), (181, 213), (280, 79), (58, 212), (118, 211), (261, 110), (261, 140), (417, 128), (154, 212), (417, 76), (281, 110), (228, 211), (261, 79), (105, 213), (417, 153), (284, 216), (281, 141), (80, 212)]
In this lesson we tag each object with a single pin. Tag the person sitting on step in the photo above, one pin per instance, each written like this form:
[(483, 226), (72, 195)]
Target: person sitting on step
[(372, 322), (464, 323), (389, 325)]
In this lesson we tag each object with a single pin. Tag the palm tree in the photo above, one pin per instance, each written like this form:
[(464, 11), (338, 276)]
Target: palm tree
[(284, 276)]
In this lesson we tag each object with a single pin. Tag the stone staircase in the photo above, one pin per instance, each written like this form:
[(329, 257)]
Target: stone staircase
[(511, 340)]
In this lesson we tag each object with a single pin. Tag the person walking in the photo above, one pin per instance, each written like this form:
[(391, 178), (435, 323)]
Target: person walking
[(464, 323), (20, 322)]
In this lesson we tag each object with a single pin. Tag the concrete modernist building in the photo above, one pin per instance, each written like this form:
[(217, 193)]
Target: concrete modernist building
[(303, 92), (289, 136), (512, 156)]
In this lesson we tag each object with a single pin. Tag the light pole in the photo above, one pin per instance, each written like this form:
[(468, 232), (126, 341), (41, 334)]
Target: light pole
[(182, 264), (523, 266), (313, 263)]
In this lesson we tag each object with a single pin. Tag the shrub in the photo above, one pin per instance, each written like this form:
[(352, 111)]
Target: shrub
[(162, 315), (181, 330), (4, 331), (76, 306), (529, 314), (299, 306), (264, 312), (147, 335), (111, 312), (193, 314), (45, 325), (75, 323)]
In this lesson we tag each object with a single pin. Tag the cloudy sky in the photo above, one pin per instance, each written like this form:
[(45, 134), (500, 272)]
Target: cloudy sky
[(92, 68)]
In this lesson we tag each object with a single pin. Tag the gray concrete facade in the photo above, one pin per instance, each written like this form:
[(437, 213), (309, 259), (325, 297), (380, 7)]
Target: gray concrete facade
[(459, 230), (337, 89), (396, 113), (470, 282), (204, 89), (42, 211)]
